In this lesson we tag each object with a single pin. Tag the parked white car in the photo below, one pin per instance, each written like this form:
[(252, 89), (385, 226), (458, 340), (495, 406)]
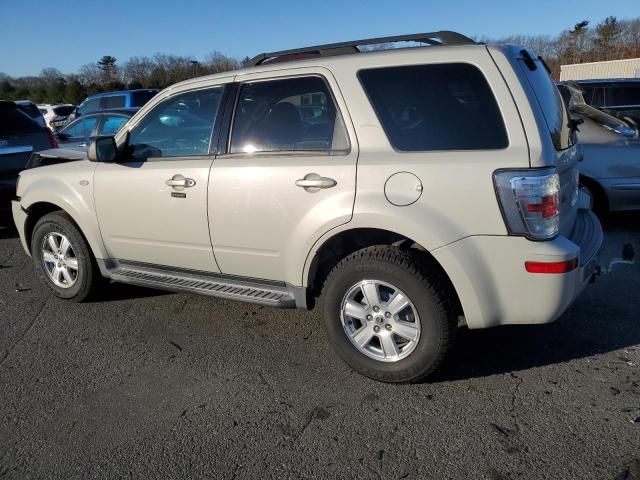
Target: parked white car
[(402, 190), (60, 112)]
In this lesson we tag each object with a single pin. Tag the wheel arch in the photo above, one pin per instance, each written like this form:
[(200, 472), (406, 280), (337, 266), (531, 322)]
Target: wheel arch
[(38, 209), (343, 243), (600, 200)]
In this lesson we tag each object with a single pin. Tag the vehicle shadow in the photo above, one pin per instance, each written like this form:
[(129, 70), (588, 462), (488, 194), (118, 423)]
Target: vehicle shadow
[(110, 292), (7, 227), (481, 353)]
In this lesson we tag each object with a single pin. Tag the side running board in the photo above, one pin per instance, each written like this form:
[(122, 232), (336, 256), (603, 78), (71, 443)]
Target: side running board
[(264, 292)]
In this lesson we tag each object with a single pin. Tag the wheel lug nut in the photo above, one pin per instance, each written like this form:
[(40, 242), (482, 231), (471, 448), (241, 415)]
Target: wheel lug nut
[(388, 327), (376, 308), (376, 329), (387, 314), (369, 317)]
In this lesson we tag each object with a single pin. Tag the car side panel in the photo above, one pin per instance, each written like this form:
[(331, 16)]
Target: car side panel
[(70, 187)]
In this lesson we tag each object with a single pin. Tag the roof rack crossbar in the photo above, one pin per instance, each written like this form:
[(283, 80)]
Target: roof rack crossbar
[(344, 48)]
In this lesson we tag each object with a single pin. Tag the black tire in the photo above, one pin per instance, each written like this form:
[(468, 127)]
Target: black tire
[(427, 290), (87, 273)]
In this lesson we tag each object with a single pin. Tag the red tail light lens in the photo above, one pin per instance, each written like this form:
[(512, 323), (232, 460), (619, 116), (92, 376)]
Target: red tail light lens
[(551, 267), (52, 138), (547, 206)]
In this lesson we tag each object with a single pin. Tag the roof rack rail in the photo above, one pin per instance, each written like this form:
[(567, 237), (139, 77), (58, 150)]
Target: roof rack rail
[(344, 48)]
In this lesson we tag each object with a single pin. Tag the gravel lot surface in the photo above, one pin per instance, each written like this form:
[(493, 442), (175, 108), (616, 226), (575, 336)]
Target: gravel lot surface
[(146, 384)]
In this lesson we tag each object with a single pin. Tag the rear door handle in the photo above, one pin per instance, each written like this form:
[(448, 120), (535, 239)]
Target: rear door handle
[(179, 182), (312, 182)]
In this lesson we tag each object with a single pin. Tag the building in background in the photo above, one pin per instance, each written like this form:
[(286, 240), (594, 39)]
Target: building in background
[(610, 69)]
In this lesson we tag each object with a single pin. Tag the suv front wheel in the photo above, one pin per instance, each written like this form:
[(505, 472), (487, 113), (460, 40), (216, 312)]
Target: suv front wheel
[(63, 258), (386, 316)]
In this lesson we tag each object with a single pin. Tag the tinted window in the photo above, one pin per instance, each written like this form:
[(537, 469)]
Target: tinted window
[(597, 100), (89, 106), (435, 107), (623, 95), (30, 110), (82, 127), (15, 122), (111, 124), (64, 111), (550, 101), (180, 126), (114, 101), (140, 98), (287, 115)]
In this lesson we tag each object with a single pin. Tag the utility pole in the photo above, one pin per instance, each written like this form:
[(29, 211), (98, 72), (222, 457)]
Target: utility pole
[(195, 64)]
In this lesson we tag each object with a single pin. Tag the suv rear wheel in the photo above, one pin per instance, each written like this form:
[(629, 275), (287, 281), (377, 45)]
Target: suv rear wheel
[(385, 315), (63, 258)]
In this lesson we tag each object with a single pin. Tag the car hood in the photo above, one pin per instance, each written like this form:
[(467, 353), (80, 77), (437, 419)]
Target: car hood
[(56, 155)]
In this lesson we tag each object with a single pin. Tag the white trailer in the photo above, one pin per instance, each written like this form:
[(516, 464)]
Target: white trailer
[(610, 69)]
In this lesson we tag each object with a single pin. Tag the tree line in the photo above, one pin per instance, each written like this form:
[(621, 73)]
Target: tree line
[(158, 71), (611, 39)]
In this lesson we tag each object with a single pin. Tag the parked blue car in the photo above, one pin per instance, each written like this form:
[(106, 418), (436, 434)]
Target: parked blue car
[(111, 100)]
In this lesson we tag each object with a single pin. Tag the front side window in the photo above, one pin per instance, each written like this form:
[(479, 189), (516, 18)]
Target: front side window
[(435, 107), (293, 114), (82, 127), (111, 124), (89, 106), (180, 126)]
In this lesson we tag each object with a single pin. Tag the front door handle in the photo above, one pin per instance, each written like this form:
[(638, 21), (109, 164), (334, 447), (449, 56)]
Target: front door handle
[(179, 182), (312, 182)]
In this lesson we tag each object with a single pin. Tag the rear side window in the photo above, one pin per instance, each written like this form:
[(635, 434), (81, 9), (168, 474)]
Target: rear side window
[(435, 107), (114, 101), (140, 98), (293, 114), (15, 122), (623, 96)]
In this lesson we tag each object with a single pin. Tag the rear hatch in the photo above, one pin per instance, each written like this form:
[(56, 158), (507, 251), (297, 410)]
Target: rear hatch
[(20, 136), (556, 122)]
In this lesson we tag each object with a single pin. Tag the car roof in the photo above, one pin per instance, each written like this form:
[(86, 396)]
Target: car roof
[(119, 92), (121, 111)]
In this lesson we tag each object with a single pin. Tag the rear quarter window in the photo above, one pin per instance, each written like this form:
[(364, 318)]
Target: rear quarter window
[(553, 108), (435, 107)]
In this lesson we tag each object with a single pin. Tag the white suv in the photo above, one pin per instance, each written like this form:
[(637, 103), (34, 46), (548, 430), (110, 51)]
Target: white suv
[(406, 189)]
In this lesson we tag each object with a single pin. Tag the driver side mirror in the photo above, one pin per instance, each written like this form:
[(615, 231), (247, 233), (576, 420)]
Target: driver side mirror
[(103, 149)]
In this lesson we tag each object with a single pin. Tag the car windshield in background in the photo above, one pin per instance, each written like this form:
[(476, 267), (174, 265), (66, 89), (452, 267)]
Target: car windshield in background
[(550, 101), (64, 111), (140, 98), (14, 121)]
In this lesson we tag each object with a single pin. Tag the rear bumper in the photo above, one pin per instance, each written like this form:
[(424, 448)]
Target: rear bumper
[(20, 219), (488, 273)]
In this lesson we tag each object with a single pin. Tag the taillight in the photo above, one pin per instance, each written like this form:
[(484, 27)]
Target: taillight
[(529, 201), (52, 138)]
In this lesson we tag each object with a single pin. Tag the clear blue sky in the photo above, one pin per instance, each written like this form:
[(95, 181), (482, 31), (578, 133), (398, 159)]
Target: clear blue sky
[(65, 34)]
